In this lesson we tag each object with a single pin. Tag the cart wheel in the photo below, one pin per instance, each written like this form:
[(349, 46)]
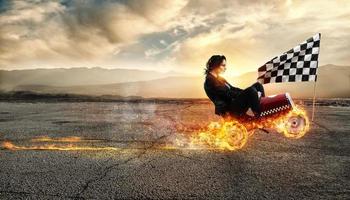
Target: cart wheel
[(238, 135), (295, 126)]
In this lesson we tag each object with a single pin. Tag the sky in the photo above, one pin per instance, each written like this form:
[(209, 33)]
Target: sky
[(167, 35)]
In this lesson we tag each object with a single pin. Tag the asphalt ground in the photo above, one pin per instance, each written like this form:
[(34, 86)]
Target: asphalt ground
[(126, 161)]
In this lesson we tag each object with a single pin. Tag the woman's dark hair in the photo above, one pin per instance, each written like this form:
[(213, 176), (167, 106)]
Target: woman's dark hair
[(214, 62)]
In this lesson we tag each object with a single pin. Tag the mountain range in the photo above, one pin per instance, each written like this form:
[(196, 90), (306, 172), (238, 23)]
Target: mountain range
[(333, 82), (76, 76)]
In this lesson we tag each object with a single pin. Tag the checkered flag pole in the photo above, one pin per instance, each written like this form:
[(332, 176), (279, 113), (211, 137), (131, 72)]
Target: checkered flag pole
[(296, 65)]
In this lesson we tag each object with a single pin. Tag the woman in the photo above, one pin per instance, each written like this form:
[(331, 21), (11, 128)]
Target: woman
[(229, 100)]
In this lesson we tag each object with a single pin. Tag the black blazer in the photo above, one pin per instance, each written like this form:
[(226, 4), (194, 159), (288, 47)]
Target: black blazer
[(220, 93)]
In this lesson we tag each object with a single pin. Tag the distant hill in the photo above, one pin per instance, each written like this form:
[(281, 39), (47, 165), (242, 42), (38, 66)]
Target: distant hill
[(333, 82), (75, 76), (172, 87)]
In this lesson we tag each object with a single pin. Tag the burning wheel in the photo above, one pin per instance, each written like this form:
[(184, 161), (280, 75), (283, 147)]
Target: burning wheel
[(226, 135), (295, 126), (288, 118), (236, 135)]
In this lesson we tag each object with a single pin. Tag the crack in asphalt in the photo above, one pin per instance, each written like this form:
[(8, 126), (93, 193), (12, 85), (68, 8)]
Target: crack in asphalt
[(109, 168), (105, 171), (104, 174)]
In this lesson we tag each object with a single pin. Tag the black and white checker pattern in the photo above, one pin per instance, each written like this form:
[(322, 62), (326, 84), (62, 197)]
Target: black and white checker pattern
[(275, 110), (296, 65)]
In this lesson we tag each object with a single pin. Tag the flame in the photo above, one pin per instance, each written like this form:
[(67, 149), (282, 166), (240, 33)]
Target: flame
[(284, 125), (60, 147), (232, 134), (224, 135), (292, 124), (62, 139)]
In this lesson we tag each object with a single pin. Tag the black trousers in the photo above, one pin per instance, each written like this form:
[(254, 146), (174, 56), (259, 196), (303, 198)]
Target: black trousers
[(248, 98)]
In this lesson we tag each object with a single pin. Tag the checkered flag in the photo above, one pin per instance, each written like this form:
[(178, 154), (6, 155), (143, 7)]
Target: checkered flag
[(295, 65)]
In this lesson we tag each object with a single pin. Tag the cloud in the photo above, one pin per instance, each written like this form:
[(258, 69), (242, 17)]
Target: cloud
[(167, 34), (252, 32), (76, 32)]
